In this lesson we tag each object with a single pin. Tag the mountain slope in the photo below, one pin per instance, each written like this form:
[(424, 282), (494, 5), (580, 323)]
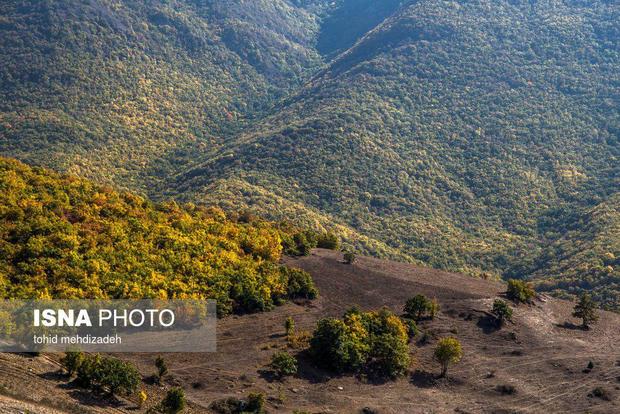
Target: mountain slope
[(449, 131), (347, 21), (586, 257), (64, 237), (538, 353), (120, 91), (458, 134)]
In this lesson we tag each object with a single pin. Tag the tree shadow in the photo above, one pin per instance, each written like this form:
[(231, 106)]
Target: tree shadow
[(89, 398), (269, 375), (56, 376), (571, 326), (306, 370), (82, 395), (28, 355), (488, 324), (424, 379), (375, 377)]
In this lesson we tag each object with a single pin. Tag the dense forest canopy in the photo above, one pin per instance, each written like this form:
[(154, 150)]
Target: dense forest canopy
[(125, 91), (64, 237), (477, 136)]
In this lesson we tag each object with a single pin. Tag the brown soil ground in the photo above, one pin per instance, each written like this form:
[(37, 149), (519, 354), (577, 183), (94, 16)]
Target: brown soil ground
[(542, 355)]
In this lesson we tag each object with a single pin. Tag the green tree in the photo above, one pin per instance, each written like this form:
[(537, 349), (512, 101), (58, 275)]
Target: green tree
[(328, 241), (586, 310), (520, 291), (349, 257), (502, 311), (448, 351), (256, 403), (72, 361), (373, 341), (389, 355), (299, 283), (289, 326), (162, 367), (299, 244), (333, 346), (109, 374), (416, 307), (283, 364), (120, 376), (174, 401)]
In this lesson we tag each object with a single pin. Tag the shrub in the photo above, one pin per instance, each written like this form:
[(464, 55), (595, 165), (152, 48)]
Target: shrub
[(506, 389), (174, 401), (300, 284), (230, 405), (289, 326), (520, 291), (110, 374), (162, 368), (299, 340), (255, 403), (417, 307), (433, 308), (72, 361), (448, 351), (502, 311), (412, 328), (142, 397), (601, 393), (586, 310), (328, 241), (349, 257), (283, 364)]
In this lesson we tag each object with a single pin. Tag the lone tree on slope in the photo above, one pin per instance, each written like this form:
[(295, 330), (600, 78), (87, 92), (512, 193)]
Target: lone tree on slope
[(502, 312), (417, 306), (448, 351), (586, 310)]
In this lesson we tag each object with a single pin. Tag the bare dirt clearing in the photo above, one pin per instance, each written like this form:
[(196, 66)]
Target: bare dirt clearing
[(539, 355)]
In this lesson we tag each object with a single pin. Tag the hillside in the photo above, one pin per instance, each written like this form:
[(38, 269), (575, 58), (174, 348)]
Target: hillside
[(585, 257), (541, 354), (456, 135), (462, 135), (124, 91), (64, 237)]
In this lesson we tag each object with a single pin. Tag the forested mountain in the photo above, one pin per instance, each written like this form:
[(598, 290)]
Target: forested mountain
[(585, 257), (123, 90), (452, 133), (477, 136)]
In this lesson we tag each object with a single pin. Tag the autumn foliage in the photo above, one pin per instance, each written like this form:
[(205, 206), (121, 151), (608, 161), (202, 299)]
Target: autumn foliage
[(63, 237)]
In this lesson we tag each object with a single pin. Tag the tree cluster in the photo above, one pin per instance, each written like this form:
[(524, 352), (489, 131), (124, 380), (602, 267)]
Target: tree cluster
[(373, 342)]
